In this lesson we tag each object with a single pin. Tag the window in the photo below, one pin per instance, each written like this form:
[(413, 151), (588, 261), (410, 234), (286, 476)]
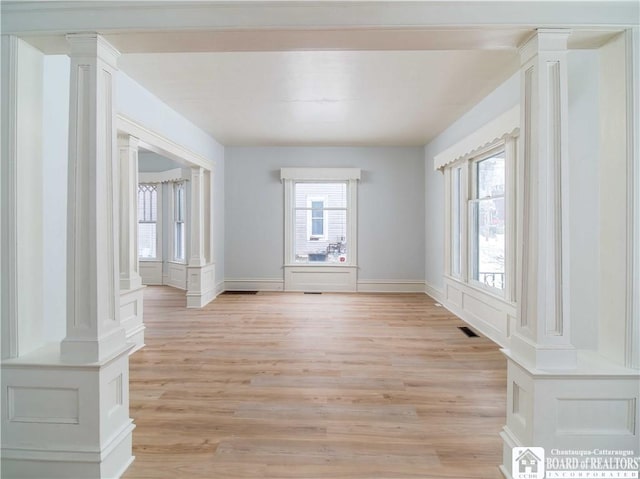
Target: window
[(480, 219), (148, 221), (320, 218), (316, 216), (488, 220), (320, 222), (179, 248), (456, 223)]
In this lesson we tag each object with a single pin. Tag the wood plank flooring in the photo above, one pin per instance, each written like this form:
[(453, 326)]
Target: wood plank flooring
[(285, 385)]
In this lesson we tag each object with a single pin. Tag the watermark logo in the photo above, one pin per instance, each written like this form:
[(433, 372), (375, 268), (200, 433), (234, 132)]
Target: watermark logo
[(533, 463), (528, 463)]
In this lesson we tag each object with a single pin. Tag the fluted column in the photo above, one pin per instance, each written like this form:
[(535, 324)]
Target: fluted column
[(93, 317), (542, 335)]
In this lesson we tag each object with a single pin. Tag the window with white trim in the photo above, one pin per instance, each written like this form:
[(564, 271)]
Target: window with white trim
[(148, 226), (320, 216), (487, 217), (179, 214), (480, 216)]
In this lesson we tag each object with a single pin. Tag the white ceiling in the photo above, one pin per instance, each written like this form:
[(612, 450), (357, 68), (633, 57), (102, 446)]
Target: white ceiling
[(322, 97)]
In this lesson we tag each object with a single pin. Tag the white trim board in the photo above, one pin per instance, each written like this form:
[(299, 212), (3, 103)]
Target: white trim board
[(176, 174), (471, 308), (390, 286), (364, 286), (505, 125), (160, 144), (253, 285)]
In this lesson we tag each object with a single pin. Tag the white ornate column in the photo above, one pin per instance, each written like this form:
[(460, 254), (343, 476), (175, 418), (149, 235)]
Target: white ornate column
[(65, 406), (93, 311), (542, 334), (131, 288), (201, 268), (558, 398)]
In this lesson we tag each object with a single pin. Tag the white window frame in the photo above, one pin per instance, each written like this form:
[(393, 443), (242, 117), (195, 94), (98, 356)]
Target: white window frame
[(325, 218), (320, 277), (466, 165), (474, 198), (159, 213), (461, 170), (175, 185)]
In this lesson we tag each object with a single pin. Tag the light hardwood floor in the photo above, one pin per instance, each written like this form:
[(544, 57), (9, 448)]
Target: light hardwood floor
[(284, 385)]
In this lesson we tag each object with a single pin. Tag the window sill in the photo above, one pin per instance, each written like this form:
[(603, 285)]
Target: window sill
[(150, 260), (182, 263)]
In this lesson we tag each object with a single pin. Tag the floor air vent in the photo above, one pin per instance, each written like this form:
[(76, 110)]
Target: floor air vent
[(468, 331), (240, 292)]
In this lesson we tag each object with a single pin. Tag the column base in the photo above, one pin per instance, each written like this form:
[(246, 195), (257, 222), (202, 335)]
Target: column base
[(132, 315), (544, 356), (65, 420), (594, 406), (201, 285)]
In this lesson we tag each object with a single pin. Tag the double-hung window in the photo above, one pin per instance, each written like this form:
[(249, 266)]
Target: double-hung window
[(148, 227), (487, 217), (179, 208), (481, 205)]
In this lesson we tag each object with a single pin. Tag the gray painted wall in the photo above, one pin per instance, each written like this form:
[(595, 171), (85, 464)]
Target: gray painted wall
[(503, 98), (390, 209), (135, 102)]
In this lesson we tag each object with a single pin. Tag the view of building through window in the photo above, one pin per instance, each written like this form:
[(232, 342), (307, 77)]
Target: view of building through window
[(488, 222), (179, 252), (320, 222)]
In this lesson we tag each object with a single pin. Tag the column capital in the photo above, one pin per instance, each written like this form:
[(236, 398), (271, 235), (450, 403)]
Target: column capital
[(544, 39), (125, 140), (93, 45)]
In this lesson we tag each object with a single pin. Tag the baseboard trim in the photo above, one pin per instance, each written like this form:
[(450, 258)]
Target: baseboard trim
[(390, 286), (254, 285), (435, 293), (220, 288)]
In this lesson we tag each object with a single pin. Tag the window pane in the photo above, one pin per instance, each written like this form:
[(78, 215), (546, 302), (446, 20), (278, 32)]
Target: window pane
[(147, 240), (488, 242), (317, 226), (456, 220), (179, 243), (335, 194), (490, 176), (147, 202), (328, 248), (179, 202)]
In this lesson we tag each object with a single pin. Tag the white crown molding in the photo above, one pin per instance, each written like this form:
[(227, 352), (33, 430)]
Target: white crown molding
[(320, 174), (63, 17), (160, 144), (176, 174), (506, 125)]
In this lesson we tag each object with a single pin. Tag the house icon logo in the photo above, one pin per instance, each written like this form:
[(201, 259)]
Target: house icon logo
[(528, 463)]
